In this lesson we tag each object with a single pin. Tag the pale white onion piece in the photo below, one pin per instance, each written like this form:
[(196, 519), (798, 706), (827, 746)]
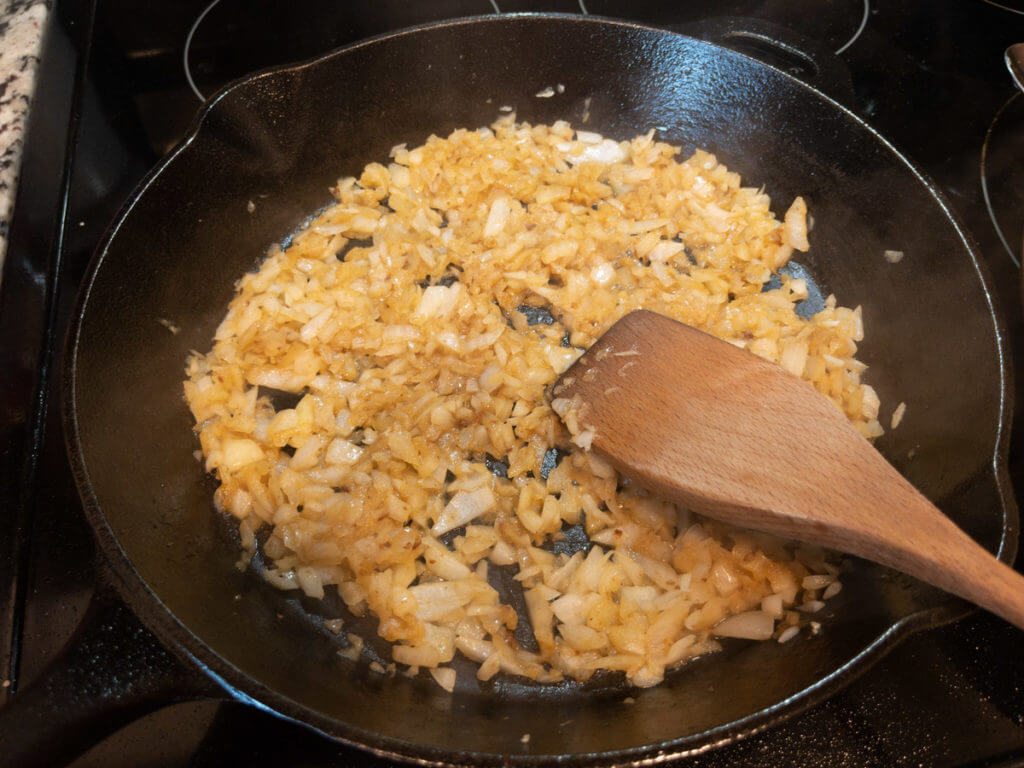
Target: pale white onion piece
[(281, 579), (437, 598), (437, 301), (445, 677), (794, 357), (816, 582), (606, 151), (795, 225), (897, 415), (464, 507), (871, 402), (664, 251), (498, 217), (750, 625), (568, 609), (602, 273), (811, 606), (342, 452), (239, 452), (310, 581), (772, 605), (831, 590), (788, 634)]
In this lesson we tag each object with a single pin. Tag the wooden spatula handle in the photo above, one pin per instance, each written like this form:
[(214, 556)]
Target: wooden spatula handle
[(996, 587), (902, 529), (948, 558)]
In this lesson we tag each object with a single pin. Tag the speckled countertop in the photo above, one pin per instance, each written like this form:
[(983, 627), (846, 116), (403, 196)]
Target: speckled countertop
[(21, 29)]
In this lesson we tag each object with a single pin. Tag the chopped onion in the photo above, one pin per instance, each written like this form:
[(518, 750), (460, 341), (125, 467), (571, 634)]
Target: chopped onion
[(568, 609), (897, 415), (445, 677), (334, 625), (751, 625), (871, 402), (795, 231), (831, 590), (308, 453), (281, 579), (342, 452), (724, 578), (664, 250), (240, 452), (312, 328), (498, 217), (581, 637), (560, 405), (436, 598), (585, 438), (606, 151), (816, 582), (310, 582), (464, 507), (788, 634), (602, 273), (772, 605), (560, 358), (442, 562), (437, 301), (794, 357)]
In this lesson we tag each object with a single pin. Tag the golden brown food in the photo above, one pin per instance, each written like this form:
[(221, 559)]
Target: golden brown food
[(421, 319)]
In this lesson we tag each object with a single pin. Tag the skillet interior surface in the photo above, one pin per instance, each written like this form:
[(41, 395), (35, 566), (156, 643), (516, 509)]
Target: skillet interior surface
[(281, 139)]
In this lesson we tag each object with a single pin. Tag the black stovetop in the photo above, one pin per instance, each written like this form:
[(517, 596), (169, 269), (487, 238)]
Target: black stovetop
[(114, 95)]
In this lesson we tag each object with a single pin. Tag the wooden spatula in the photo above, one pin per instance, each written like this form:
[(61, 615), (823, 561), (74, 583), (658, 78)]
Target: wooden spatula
[(724, 433)]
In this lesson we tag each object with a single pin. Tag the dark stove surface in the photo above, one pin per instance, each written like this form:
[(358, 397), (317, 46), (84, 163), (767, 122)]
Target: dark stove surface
[(115, 95)]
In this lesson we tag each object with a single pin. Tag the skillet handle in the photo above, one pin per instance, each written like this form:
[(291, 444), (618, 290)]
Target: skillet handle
[(806, 59), (111, 672)]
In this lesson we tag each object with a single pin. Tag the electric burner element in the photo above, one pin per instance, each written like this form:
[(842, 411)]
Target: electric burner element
[(1002, 175), (231, 38), (1013, 6), (835, 24)]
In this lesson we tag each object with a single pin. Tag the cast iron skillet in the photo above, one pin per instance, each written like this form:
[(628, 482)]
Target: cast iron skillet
[(277, 141)]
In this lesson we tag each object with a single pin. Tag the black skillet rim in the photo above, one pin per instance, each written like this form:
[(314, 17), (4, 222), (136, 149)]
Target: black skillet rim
[(155, 615)]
